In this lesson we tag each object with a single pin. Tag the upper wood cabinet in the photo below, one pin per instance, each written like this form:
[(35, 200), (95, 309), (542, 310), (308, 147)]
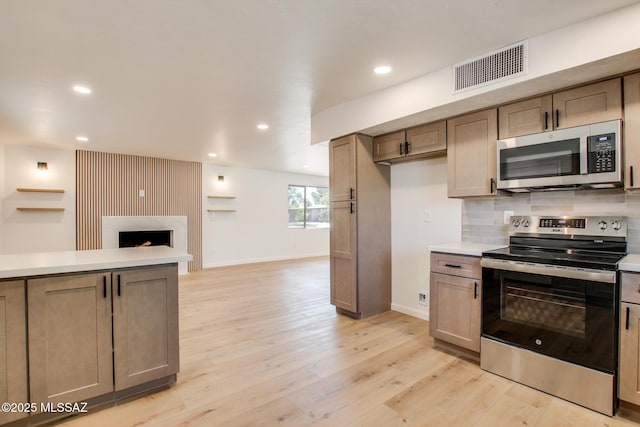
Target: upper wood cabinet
[(631, 130), (343, 169), (13, 348), (471, 154), (389, 146), (525, 117), (418, 142), (597, 102)]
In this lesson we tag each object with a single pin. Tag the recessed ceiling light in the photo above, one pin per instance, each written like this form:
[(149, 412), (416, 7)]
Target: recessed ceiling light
[(306, 166), (263, 126), (383, 69), (82, 139), (213, 155), (82, 89)]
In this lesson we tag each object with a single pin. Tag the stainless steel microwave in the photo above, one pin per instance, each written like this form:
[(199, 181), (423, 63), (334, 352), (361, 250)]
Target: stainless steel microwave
[(580, 157)]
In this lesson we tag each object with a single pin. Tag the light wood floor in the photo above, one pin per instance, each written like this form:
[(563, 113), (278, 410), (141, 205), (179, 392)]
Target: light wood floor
[(261, 346)]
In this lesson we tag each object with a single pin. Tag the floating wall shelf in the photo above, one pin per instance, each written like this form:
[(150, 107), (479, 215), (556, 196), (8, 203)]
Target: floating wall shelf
[(221, 197), (221, 210), (40, 190), (40, 209)]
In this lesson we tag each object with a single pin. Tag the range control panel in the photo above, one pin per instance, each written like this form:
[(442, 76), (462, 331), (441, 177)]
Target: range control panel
[(608, 226)]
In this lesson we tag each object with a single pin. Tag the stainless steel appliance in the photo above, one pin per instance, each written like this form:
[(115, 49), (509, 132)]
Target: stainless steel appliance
[(580, 157), (549, 306)]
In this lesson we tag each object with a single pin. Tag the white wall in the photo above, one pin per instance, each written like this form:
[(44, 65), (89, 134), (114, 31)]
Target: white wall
[(258, 230), (37, 231), (416, 188), (565, 57)]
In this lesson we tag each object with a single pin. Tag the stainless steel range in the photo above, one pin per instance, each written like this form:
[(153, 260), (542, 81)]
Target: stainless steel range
[(549, 307)]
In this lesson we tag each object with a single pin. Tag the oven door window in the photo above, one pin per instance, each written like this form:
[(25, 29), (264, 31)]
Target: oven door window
[(559, 310), (556, 158), (568, 319)]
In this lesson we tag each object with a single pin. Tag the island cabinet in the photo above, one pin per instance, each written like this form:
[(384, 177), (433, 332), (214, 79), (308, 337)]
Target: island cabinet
[(631, 129), (360, 233), (455, 300), (629, 359), (145, 325), (583, 105), (13, 348), (428, 140), (471, 154), (95, 333)]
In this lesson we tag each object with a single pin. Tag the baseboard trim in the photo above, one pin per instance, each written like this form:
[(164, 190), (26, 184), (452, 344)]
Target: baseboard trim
[(424, 315)]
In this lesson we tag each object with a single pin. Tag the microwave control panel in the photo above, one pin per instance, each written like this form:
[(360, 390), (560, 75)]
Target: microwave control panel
[(602, 153)]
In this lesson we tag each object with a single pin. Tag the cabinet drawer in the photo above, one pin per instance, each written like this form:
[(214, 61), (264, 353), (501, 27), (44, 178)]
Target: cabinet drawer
[(456, 265), (630, 289)]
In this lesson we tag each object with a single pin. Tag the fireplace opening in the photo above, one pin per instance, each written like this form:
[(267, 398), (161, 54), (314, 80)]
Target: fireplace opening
[(132, 239)]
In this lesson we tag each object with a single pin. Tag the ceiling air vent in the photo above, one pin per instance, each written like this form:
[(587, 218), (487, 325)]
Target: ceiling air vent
[(502, 64)]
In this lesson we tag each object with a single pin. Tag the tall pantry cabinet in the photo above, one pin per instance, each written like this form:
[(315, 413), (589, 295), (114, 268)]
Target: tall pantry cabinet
[(360, 233)]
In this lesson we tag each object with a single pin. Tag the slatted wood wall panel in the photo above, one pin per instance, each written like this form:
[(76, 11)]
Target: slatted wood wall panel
[(107, 185)]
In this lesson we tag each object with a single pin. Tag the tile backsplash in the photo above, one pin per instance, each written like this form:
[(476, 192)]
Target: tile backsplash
[(483, 219)]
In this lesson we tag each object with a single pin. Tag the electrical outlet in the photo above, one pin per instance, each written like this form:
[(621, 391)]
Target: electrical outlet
[(422, 299)]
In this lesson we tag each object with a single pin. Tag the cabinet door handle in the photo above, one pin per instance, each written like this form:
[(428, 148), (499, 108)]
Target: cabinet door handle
[(453, 265), (407, 147), (546, 120), (492, 183), (631, 176), (475, 290), (118, 285), (626, 323), (104, 286), (351, 208), (351, 193), (557, 117), (402, 148)]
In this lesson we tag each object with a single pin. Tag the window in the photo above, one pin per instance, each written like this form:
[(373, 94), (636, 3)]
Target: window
[(308, 207)]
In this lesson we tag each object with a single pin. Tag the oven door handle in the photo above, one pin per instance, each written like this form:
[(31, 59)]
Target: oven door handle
[(603, 276)]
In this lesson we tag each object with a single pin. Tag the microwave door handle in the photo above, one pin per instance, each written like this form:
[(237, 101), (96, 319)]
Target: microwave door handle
[(584, 154)]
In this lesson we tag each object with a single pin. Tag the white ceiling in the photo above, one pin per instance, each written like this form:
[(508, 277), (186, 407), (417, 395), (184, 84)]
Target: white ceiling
[(182, 78)]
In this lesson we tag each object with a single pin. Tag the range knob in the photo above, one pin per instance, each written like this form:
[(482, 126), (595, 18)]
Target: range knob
[(602, 225), (516, 223), (616, 225), (525, 223)]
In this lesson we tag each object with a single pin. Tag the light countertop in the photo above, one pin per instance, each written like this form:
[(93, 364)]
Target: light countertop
[(34, 264), (465, 248), (630, 262)]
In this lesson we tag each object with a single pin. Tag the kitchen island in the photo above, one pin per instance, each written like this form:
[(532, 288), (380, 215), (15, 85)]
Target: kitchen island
[(86, 328)]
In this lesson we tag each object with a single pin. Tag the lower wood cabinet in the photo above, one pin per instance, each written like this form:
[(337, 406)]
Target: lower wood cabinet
[(70, 337), (13, 348), (92, 334), (455, 300), (629, 359), (145, 325)]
